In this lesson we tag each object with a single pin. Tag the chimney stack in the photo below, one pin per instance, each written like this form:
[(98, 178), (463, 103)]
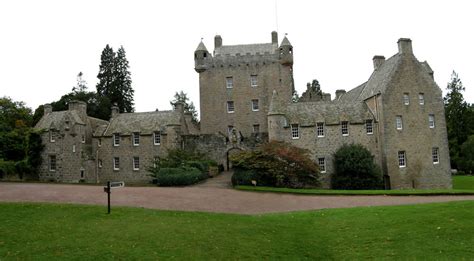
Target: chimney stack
[(274, 38), (378, 61), (404, 46), (79, 106), (47, 108), (339, 93), (217, 41), (179, 107), (115, 110)]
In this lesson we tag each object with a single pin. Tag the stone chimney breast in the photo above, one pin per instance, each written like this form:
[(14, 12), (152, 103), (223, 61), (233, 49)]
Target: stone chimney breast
[(47, 108), (339, 93), (274, 38), (217, 41), (79, 106), (378, 61), (404, 46), (115, 110)]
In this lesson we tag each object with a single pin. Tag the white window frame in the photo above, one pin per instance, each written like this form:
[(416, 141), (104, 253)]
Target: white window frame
[(431, 121), (295, 131), (230, 107), (421, 98), (253, 80), (156, 137), (74, 148), (116, 139), (369, 126), (136, 163), (402, 159), (435, 155), (52, 136), (399, 122), (322, 165), (136, 138), (406, 98), (255, 105), (256, 128), (320, 129), (229, 82), (345, 128), (99, 163), (99, 142), (52, 163), (116, 163)]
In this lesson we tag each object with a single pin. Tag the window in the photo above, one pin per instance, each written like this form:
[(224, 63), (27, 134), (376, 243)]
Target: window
[(157, 137), (399, 122), (136, 163), (401, 159), (116, 139), (73, 148), (369, 126), (116, 163), (406, 99), (435, 155), (253, 81), (295, 131), (256, 128), (83, 138), (136, 138), (52, 162), (421, 98), (320, 129), (230, 107), (82, 174), (431, 121), (345, 128), (255, 105), (99, 163), (99, 142), (230, 128), (229, 82), (52, 136), (322, 165)]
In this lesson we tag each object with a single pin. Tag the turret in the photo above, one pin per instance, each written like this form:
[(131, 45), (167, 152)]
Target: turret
[(286, 52), (201, 55), (276, 118)]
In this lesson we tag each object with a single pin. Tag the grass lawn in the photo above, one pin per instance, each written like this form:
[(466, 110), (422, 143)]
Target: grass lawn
[(462, 185), (442, 231)]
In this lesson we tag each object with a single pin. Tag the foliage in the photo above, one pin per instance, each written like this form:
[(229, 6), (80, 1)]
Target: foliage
[(182, 97), (181, 176), (463, 182), (466, 155), (278, 164), (13, 114), (355, 169), (7, 168), (34, 150), (83, 232), (244, 177), (459, 119), (115, 81)]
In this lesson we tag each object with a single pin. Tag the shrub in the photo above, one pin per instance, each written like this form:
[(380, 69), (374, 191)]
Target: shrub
[(7, 168), (355, 169), (244, 177), (179, 176), (278, 164)]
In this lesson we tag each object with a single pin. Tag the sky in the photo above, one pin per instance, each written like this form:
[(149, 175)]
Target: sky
[(45, 44)]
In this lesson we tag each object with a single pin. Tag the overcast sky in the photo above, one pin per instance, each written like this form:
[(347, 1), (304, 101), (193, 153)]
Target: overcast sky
[(45, 44)]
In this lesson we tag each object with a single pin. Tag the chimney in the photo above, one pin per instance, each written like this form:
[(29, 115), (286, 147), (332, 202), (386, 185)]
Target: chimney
[(404, 46), (378, 61), (179, 107), (339, 93), (47, 108), (274, 38), (78, 106), (115, 110), (326, 97), (217, 41)]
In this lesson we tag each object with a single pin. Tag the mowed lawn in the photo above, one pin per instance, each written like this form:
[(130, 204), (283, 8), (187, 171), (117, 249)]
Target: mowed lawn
[(442, 231), (463, 182)]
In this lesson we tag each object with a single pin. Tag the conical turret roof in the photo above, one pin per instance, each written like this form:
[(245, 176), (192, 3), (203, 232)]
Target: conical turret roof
[(285, 41), (201, 47)]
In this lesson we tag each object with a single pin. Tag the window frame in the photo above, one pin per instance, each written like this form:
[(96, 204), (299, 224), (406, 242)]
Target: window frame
[(52, 163), (295, 131), (253, 80), (406, 98), (116, 139), (431, 121), (369, 124), (346, 128), (99, 163), (402, 159), (399, 122), (229, 82), (255, 128), (52, 136), (322, 167), (435, 155), (255, 102), (320, 129), (157, 134), (116, 163), (229, 107), (136, 163), (136, 138), (99, 142), (421, 98)]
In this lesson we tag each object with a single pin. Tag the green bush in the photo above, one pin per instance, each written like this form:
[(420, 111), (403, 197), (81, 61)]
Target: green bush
[(355, 169), (278, 164), (7, 168), (244, 177), (179, 176)]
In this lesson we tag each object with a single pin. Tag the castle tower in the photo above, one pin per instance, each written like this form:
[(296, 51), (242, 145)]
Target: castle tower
[(236, 84)]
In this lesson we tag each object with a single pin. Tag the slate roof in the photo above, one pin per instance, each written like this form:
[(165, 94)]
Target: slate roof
[(57, 119), (285, 41), (243, 49), (143, 122), (201, 47), (309, 113)]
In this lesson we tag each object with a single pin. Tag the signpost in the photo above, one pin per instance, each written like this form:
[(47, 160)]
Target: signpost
[(108, 189)]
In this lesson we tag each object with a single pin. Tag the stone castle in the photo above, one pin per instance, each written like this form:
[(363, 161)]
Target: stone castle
[(246, 99)]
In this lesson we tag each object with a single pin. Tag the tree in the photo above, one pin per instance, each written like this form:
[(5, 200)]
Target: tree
[(13, 114), (466, 159), (355, 169), (115, 81), (458, 114), (81, 84), (182, 97)]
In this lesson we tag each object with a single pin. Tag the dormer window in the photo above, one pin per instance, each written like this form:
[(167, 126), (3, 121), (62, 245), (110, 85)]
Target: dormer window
[(116, 139), (52, 136)]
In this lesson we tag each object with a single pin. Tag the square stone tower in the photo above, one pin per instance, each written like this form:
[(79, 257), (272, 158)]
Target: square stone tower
[(236, 84)]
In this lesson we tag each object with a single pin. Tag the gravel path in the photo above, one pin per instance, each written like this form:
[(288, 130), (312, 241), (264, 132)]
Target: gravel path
[(211, 196)]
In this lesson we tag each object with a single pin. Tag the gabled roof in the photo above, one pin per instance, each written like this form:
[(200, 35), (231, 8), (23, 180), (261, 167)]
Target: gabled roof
[(243, 49), (143, 122), (57, 119)]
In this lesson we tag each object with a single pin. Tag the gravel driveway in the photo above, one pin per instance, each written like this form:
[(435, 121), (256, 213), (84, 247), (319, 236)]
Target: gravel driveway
[(211, 196)]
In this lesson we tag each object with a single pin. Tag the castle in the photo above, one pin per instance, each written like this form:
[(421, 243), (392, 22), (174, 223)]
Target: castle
[(246, 99)]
